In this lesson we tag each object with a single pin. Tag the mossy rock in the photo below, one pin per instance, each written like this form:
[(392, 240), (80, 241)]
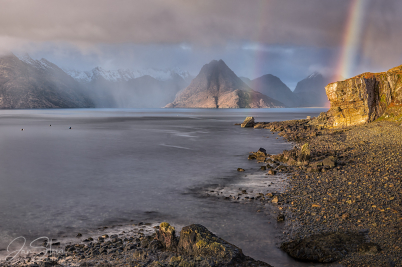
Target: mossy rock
[(167, 236), (196, 240)]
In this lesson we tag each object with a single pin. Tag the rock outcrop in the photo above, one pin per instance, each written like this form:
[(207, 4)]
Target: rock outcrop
[(248, 122), (328, 247), (364, 98), (217, 86), (197, 242)]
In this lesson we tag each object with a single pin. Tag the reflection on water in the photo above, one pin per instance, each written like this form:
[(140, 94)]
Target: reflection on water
[(124, 166)]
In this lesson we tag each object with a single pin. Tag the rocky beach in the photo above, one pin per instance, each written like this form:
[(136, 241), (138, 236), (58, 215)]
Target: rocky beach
[(343, 202), (142, 246)]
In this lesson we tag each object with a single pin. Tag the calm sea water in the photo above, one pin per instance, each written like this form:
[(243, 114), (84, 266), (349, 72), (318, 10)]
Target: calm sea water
[(119, 166)]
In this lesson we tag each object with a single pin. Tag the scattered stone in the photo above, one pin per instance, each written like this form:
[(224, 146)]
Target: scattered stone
[(280, 218), (271, 172)]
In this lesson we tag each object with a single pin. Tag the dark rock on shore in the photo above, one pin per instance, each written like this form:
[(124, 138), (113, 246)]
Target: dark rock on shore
[(196, 246), (328, 247), (350, 183)]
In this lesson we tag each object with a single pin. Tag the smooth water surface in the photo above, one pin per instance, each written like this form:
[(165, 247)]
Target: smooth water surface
[(124, 166)]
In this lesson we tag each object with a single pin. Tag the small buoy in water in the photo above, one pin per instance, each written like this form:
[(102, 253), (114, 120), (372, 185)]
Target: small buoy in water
[(70, 128), (50, 125), (22, 129)]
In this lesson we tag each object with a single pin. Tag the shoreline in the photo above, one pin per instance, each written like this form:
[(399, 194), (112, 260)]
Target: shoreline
[(308, 206), (343, 202), (146, 244)]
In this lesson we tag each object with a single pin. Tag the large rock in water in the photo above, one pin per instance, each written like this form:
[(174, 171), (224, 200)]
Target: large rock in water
[(364, 98), (217, 86), (197, 242), (248, 122)]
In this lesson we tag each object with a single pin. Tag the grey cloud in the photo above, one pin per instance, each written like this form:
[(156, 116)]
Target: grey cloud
[(206, 22), (254, 36)]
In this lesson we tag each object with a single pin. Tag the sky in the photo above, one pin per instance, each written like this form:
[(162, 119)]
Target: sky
[(287, 38)]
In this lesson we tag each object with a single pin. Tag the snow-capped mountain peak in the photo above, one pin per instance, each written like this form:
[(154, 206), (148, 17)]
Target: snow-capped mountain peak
[(39, 64), (313, 75), (126, 74)]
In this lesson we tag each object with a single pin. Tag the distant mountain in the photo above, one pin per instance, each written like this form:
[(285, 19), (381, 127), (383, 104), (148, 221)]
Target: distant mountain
[(273, 87), (150, 88), (217, 86), (28, 83), (128, 74), (311, 91), (246, 80)]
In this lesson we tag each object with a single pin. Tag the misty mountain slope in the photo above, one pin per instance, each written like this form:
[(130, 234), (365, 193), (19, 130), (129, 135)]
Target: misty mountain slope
[(131, 89), (246, 80), (217, 86), (128, 74), (273, 87), (32, 83), (311, 91), (146, 91)]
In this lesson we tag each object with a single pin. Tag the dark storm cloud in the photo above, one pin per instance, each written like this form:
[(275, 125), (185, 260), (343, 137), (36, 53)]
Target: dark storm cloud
[(290, 38), (206, 22)]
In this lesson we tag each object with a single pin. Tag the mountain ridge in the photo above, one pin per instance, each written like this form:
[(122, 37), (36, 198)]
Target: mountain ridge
[(217, 86), (311, 91), (273, 87), (38, 84)]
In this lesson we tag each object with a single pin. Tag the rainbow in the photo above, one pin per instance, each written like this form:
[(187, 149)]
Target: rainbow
[(351, 40)]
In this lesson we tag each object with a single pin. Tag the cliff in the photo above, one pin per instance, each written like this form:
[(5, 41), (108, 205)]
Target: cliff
[(364, 98), (217, 86)]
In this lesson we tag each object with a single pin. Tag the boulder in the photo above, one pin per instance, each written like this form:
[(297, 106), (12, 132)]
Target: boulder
[(328, 247), (329, 162), (304, 154), (280, 218), (271, 172), (252, 156), (167, 236), (248, 122), (197, 246), (196, 240)]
